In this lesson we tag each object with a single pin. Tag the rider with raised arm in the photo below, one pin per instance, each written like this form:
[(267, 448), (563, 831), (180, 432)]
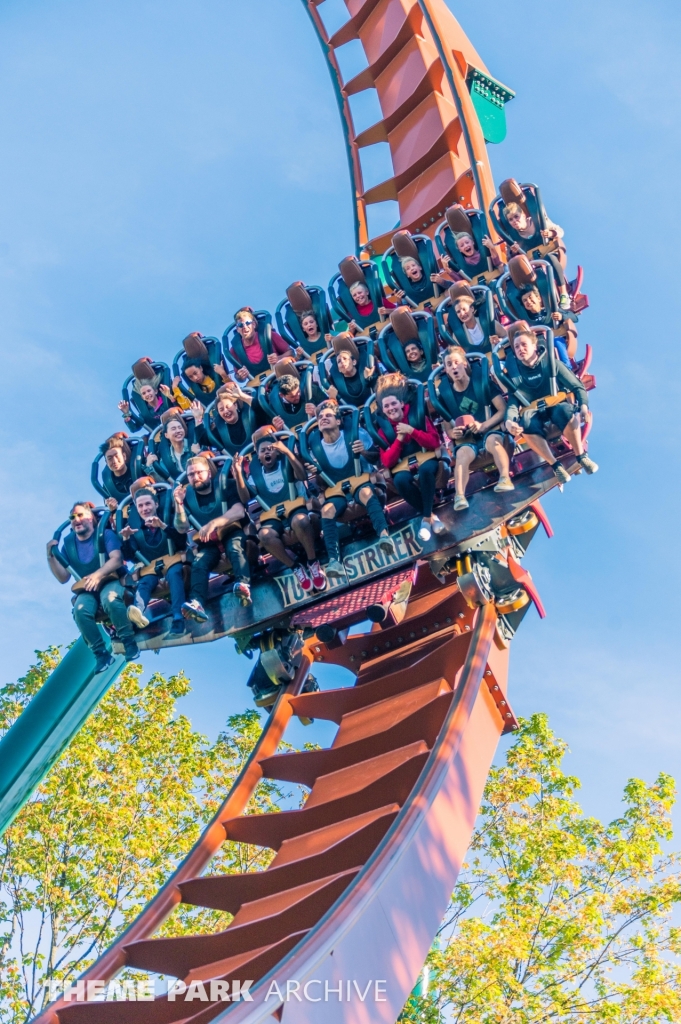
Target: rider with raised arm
[(203, 497), (273, 472), (533, 383), (154, 395), (162, 546), (334, 453), (476, 401), (99, 587), (405, 436)]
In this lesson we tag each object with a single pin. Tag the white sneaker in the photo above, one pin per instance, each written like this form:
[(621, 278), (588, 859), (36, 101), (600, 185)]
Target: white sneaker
[(137, 617), (438, 526), (424, 533)]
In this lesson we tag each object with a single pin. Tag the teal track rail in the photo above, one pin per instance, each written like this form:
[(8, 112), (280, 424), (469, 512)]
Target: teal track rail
[(46, 727)]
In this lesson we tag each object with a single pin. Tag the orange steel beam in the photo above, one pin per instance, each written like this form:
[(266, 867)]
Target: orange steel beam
[(167, 898), (373, 854), (417, 61)]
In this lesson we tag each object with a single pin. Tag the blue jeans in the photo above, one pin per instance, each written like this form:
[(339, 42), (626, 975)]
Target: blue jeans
[(110, 599), (175, 578)]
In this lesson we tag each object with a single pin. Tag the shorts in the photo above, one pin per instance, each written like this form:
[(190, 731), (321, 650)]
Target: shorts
[(280, 526), (478, 443), (535, 422)]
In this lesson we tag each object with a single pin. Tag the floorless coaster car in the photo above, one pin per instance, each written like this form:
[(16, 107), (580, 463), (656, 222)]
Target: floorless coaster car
[(235, 352), (476, 541), (158, 444), (408, 255), (302, 302), (352, 273), (451, 329), (459, 222), (198, 350), (105, 482), (404, 329)]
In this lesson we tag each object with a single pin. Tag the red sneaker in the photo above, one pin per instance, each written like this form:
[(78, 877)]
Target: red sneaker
[(301, 575), (318, 577)]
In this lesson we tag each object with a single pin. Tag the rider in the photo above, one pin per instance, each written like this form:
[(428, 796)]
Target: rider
[(230, 422), (533, 305), (405, 438), (529, 237), (247, 327), (534, 383), (155, 541), (99, 587), (472, 394), (286, 399), (476, 333), (334, 453), (117, 476), (272, 469), (177, 444), (203, 497), (342, 368), (147, 383)]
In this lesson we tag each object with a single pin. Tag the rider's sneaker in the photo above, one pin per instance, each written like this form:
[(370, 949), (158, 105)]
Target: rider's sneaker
[(424, 533), (243, 592), (137, 617), (438, 526), (561, 473), (194, 610), (266, 697), (304, 580), (460, 503), (587, 464), (317, 574), (387, 545), (505, 484), (103, 661), (131, 650), (178, 627), (335, 568)]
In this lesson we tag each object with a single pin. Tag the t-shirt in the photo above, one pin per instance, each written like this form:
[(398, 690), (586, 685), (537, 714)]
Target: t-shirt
[(255, 354), (476, 335), (86, 548), (536, 381), (275, 483), (337, 451), (230, 492)]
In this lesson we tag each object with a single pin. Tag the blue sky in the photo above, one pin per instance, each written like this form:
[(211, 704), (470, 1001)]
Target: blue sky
[(166, 162)]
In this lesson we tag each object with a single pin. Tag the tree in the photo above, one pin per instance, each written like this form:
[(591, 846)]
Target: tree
[(558, 917), (112, 819)]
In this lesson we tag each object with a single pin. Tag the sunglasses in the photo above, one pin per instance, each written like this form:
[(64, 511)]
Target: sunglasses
[(244, 323)]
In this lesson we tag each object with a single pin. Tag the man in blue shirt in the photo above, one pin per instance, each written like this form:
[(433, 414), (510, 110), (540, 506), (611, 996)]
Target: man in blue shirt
[(98, 586)]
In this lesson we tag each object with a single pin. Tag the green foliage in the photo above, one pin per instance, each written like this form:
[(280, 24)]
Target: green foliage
[(559, 917), (118, 811)]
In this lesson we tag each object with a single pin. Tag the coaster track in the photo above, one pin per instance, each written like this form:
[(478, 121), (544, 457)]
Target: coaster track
[(363, 871)]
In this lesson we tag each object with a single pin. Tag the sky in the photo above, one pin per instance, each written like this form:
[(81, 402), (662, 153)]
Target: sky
[(166, 162)]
